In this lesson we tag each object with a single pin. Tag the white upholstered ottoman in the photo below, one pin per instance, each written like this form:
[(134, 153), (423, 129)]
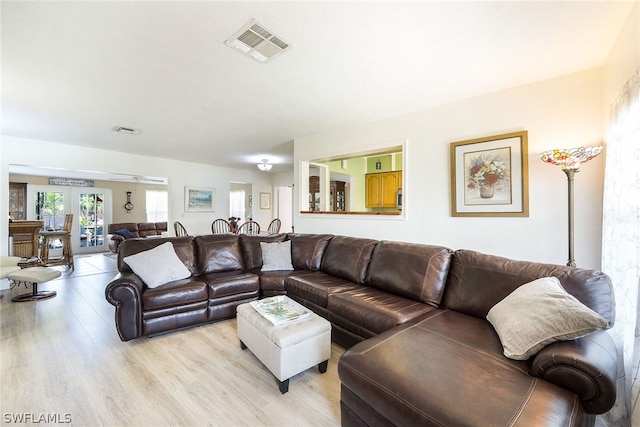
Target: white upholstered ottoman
[(287, 349), (34, 275)]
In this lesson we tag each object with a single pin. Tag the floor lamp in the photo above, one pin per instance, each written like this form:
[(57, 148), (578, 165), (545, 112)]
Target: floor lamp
[(570, 160)]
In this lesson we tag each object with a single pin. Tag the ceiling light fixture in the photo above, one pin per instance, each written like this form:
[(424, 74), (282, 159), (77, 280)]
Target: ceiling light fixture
[(264, 166)]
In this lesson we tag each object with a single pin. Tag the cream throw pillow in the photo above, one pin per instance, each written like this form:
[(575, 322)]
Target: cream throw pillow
[(276, 256), (539, 313), (158, 266)]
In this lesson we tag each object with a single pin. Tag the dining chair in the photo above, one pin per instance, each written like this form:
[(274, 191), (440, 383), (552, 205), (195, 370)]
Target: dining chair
[(220, 226), (179, 229), (274, 226), (249, 227)]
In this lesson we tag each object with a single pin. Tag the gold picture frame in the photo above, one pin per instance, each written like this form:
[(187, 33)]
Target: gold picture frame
[(489, 176)]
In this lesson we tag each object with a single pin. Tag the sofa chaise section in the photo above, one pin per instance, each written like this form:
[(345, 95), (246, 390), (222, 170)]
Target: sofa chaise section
[(448, 367)]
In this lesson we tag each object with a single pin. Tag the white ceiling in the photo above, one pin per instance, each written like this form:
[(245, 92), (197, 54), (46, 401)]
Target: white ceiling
[(73, 70)]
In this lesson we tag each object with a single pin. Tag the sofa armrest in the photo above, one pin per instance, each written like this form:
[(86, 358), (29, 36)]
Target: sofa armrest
[(125, 293), (114, 240), (586, 367)]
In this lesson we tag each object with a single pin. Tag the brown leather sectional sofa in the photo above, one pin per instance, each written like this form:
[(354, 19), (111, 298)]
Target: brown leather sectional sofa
[(137, 229), (420, 351)]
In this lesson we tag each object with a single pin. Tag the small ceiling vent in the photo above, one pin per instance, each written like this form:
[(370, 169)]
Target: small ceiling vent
[(124, 129), (256, 42)]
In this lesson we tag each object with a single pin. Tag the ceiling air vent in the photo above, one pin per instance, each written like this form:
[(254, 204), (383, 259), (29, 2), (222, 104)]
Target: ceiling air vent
[(124, 129), (258, 43)]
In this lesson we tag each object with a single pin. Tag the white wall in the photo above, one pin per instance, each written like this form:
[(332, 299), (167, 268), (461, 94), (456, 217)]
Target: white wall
[(563, 112), (623, 59), (180, 174)]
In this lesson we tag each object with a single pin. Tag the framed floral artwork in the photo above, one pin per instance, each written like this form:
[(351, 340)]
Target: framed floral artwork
[(265, 200), (489, 176), (199, 199)]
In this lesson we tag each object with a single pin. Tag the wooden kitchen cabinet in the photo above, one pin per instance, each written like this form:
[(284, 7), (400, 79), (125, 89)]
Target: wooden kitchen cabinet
[(18, 200), (337, 196), (314, 193), (382, 189)]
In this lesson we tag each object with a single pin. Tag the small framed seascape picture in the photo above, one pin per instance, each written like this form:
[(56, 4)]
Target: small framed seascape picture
[(199, 199), (489, 176)]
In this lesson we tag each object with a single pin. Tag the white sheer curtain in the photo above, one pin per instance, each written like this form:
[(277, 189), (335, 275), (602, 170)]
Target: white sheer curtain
[(621, 235), (236, 204)]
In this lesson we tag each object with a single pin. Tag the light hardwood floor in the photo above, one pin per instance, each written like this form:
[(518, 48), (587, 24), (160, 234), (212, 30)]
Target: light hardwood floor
[(62, 358)]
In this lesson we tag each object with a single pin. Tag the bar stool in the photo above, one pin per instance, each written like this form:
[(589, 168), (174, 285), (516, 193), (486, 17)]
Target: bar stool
[(65, 237)]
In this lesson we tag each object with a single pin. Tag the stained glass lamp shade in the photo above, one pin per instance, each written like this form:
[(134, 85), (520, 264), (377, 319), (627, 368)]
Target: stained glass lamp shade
[(570, 160)]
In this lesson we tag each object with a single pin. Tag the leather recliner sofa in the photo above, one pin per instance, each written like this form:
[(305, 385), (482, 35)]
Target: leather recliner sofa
[(420, 350), (139, 229)]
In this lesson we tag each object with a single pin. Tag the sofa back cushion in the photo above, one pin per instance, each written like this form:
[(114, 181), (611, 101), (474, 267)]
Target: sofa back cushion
[(131, 226), (307, 250), (348, 257), (251, 251), (147, 229), (219, 252), (183, 246), (478, 281), (414, 271)]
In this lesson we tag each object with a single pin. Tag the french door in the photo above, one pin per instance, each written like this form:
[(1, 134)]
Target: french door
[(91, 209)]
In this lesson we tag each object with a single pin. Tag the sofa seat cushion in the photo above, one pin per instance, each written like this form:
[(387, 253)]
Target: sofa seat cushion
[(274, 280), (368, 311), (178, 292), (231, 283), (316, 287), (448, 369)]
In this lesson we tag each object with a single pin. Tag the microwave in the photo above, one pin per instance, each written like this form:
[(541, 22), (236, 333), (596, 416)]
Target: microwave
[(399, 199)]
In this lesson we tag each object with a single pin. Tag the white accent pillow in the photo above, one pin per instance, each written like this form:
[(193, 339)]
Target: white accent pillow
[(539, 313), (158, 266), (276, 256)]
